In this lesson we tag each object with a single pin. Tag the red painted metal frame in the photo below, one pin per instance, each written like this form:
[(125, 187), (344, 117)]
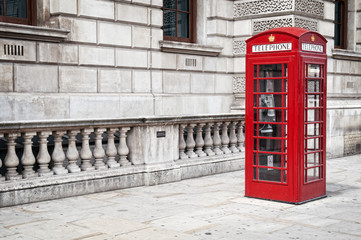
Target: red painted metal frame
[(296, 188)]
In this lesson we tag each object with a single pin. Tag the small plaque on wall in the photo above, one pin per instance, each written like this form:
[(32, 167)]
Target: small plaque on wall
[(160, 134)]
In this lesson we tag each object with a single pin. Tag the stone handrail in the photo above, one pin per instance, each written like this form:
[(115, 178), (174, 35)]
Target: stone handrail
[(38, 153)]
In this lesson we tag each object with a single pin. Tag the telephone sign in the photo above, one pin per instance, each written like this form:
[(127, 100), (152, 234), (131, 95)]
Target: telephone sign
[(286, 115)]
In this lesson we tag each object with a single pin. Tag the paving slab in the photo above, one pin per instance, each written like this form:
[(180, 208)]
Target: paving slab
[(207, 208)]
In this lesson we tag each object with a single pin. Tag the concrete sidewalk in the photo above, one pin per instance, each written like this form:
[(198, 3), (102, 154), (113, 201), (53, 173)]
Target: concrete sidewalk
[(212, 207)]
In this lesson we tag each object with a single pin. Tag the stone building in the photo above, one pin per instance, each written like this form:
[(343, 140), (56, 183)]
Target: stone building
[(76, 62)]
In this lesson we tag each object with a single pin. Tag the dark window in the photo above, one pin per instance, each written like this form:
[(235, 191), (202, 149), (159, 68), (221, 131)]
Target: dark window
[(179, 20), (18, 11), (340, 23)]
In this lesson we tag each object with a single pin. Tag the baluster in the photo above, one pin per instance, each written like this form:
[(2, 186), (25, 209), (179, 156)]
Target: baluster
[(72, 153), (225, 138), (99, 152), (28, 159), (43, 157), (216, 139), (86, 153), (182, 142), (11, 160), (208, 142), (190, 141), (111, 150), (200, 141), (1, 162), (233, 138), (123, 149), (58, 155), (240, 136)]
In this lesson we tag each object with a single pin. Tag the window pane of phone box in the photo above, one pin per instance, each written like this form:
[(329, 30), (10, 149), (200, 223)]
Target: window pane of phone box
[(270, 70), (271, 115), (270, 130), (270, 100), (313, 174), (270, 145), (269, 174)]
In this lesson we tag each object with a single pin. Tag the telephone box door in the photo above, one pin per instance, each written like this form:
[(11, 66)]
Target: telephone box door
[(268, 125)]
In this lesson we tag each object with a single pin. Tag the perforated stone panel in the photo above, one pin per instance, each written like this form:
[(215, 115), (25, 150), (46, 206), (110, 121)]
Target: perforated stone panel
[(239, 84), (260, 26), (261, 6), (310, 6)]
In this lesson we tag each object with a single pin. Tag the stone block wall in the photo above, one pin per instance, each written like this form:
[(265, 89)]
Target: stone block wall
[(111, 64)]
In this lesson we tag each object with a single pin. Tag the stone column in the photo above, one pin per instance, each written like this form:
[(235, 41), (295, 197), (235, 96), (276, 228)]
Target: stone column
[(1, 162), (28, 159), (111, 150), (58, 155), (233, 138), (72, 153), (99, 152), (182, 142), (200, 141), (85, 153), (43, 157), (123, 149), (216, 139), (225, 138), (208, 142), (11, 160), (190, 141), (240, 136)]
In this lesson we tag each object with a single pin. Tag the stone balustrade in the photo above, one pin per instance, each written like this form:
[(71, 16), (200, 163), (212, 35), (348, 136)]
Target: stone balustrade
[(65, 156)]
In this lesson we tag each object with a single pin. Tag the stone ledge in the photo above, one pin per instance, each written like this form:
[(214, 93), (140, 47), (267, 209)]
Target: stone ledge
[(190, 48), (346, 55), (25, 32), (76, 184)]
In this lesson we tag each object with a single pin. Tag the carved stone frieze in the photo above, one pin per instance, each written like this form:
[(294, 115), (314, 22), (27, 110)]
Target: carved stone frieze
[(260, 26), (261, 6), (239, 84), (310, 6), (239, 47), (307, 24)]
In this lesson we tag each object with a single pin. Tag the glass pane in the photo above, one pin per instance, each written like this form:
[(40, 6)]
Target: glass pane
[(170, 4), (313, 85), (285, 71), (312, 159), (15, 8), (313, 101), (271, 115), (269, 174), (284, 176), (285, 85), (313, 129), (255, 86), (254, 173), (313, 144), (255, 144), (255, 159), (270, 85), (270, 100), (183, 25), (270, 145), (313, 115), (270, 130), (1, 8), (255, 71), (255, 130), (170, 23), (313, 174), (183, 5), (270, 160), (270, 70), (337, 34), (255, 100), (313, 70)]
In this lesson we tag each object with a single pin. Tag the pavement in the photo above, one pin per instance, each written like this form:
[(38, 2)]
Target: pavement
[(207, 208)]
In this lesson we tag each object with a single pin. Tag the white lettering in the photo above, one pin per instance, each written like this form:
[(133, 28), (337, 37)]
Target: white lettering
[(312, 47), (272, 47)]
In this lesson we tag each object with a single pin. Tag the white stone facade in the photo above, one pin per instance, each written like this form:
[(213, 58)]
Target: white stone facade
[(91, 59)]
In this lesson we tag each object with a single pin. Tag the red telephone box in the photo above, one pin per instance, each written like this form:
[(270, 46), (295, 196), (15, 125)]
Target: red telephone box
[(286, 115)]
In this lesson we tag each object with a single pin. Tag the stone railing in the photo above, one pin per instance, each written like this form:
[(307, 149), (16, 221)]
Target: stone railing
[(67, 158)]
